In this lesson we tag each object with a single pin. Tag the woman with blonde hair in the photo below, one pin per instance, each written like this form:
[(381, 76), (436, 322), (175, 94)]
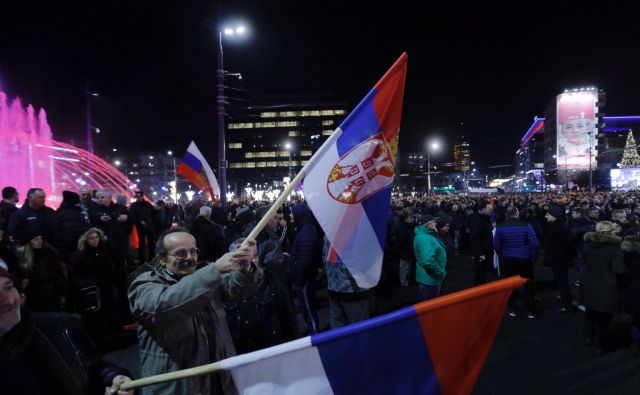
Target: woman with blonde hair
[(91, 277), (603, 260), (42, 279)]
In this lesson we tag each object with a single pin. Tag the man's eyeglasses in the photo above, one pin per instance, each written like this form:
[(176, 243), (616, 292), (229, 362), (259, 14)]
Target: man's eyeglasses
[(184, 254)]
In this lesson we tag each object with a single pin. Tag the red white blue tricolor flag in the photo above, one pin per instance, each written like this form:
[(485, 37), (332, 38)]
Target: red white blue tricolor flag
[(196, 169), (435, 347), (348, 181)]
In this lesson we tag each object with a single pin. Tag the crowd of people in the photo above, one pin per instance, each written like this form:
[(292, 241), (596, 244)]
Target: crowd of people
[(197, 290), (595, 234)]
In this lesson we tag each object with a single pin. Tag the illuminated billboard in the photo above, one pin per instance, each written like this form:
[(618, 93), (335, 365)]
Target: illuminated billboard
[(625, 178), (576, 133)]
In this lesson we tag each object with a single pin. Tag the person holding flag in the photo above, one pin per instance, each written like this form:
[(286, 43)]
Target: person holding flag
[(348, 188)]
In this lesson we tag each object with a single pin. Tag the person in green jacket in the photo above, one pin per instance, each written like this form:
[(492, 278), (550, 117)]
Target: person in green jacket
[(431, 259)]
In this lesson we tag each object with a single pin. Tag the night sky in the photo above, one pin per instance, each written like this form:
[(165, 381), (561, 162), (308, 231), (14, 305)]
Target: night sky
[(153, 62)]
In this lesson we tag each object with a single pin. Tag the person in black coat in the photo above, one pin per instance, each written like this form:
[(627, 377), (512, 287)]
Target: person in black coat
[(41, 275), (481, 242), (306, 259), (49, 353), (10, 198), (456, 226), (631, 295), (91, 278), (559, 253), (209, 236), (113, 219), (404, 239), (68, 224), (142, 214), (33, 216)]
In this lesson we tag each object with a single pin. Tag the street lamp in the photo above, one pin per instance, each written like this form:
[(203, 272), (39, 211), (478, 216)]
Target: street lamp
[(432, 146), (220, 100), (88, 95)]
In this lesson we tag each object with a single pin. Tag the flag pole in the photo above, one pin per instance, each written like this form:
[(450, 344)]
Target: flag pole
[(177, 375), (287, 191), (274, 208)]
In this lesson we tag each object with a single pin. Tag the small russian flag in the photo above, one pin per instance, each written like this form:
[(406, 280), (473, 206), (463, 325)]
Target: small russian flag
[(196, 169)]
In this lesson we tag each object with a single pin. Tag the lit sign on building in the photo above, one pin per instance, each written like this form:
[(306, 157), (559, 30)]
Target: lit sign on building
[(625, 178), (576, 120)]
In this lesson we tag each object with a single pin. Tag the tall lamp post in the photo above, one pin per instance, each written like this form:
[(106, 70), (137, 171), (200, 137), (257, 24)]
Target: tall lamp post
[(88, 95), (220, 100), (432, 146), (288, 147)]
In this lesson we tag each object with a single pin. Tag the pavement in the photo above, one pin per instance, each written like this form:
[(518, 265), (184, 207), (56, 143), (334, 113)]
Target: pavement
[(545, 355)]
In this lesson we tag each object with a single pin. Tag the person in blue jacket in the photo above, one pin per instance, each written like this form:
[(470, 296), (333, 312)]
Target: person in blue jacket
[(516, 244)]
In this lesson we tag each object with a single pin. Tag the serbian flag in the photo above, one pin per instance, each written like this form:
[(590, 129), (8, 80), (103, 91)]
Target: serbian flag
[(196, 169), (348, 181), (435, 347)]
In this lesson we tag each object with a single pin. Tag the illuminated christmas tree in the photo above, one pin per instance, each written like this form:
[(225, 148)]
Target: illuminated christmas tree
[(630, 158)]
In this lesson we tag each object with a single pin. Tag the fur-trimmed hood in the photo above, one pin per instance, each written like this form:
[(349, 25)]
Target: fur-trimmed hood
[(601, 238), (631, 244)]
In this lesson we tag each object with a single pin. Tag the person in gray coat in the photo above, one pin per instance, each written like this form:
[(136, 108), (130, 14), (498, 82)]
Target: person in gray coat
[(180, 313), (604, 260)]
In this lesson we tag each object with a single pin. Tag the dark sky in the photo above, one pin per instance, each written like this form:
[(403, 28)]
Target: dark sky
[(153, 62)]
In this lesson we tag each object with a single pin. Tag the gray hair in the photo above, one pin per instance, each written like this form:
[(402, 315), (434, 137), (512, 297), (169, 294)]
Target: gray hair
[(104, 191), (83, 239), (205, 211)]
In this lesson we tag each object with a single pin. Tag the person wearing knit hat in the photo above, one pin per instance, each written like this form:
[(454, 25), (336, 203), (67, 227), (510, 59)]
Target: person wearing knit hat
[(70, 198), (604, 262), (68, 224), (559, 253)]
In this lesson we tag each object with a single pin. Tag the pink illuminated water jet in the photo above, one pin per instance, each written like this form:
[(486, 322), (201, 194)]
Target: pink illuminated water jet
[(29, 157)]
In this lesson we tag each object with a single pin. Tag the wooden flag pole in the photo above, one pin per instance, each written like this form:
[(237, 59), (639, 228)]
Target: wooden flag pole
[(177, 375), (274, 207)]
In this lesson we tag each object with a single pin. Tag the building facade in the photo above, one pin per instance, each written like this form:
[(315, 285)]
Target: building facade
[(462, 156), (269, 142)]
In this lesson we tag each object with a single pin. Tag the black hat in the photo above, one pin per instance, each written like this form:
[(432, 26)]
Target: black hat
[(555, 211), (70, 198), (425, 218), (441, 222)]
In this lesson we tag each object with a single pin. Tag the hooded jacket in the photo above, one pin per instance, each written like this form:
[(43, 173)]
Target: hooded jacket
[(631, 295), (603, 260), (306, 251), (431, 257)]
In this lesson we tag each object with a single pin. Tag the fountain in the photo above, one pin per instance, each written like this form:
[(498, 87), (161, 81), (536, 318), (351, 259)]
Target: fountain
[(29, 157)]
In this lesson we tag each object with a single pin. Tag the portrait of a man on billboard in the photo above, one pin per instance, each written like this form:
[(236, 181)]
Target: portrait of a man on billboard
[(576, 130)]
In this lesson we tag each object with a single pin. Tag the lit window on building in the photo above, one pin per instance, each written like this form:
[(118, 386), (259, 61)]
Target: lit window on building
[(235, 145), (268, 114), (294, 133), (304, 162), (312, 113), (340, 112), (261, 164), (286, 123), (305, 153), (283, 153), (265, 124), (241, 125), (327, 122), (272, 164), (250, 165), (327, 132)]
